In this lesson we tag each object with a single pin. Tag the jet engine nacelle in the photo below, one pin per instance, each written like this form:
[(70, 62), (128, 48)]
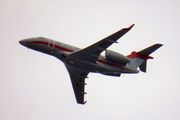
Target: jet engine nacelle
[(116, 57)]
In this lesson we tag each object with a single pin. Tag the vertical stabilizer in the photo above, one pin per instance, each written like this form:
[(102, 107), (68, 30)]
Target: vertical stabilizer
[(135, 62), (142, 67)]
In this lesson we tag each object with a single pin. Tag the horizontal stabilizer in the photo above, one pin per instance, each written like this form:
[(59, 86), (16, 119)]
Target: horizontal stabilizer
[(149, 50)]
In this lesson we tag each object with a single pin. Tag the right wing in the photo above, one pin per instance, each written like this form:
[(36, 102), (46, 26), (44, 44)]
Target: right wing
[(78, 82), (92, 52)]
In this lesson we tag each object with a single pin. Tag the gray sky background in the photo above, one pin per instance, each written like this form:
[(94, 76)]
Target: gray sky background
[(36, 86)]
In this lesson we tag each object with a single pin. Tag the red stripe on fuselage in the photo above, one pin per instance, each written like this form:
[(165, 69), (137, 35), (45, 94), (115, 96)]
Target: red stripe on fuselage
[(56, 46), (68, 50)]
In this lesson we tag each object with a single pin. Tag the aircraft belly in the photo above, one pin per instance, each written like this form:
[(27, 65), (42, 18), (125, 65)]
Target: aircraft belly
[(126, 70), (87, 66)]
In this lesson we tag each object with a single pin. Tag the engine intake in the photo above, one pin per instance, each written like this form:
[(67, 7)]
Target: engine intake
[(115, 57)]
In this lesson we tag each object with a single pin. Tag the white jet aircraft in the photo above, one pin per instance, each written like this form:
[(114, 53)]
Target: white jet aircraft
[(79, 62)]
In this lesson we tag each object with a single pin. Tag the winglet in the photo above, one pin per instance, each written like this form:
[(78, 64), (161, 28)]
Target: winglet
[(84, 102), (130, 27)]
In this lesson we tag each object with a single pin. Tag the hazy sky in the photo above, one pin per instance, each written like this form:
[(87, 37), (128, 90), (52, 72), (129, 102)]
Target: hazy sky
[(36, 86)]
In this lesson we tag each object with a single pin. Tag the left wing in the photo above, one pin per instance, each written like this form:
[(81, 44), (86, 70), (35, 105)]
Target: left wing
[(92, 52), (78, 81)]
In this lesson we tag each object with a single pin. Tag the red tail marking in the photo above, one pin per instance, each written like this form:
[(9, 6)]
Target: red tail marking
[(135, 55)]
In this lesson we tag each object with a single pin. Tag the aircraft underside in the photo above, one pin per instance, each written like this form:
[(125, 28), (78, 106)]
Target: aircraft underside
[(79, 62)]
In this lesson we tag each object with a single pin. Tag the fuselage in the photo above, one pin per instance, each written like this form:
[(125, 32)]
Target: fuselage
[(62, 51)]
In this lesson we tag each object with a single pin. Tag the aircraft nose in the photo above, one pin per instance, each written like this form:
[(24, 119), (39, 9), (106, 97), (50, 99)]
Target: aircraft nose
[(23, 42)]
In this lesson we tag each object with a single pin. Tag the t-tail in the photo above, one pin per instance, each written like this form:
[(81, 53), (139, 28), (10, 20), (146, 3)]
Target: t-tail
[(139, 59)]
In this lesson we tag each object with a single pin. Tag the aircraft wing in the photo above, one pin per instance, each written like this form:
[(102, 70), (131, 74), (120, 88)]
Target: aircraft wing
[(78, 81), (92, 52)]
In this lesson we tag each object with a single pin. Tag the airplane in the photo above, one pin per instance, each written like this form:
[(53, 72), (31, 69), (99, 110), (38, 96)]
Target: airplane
[(80, 62)]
